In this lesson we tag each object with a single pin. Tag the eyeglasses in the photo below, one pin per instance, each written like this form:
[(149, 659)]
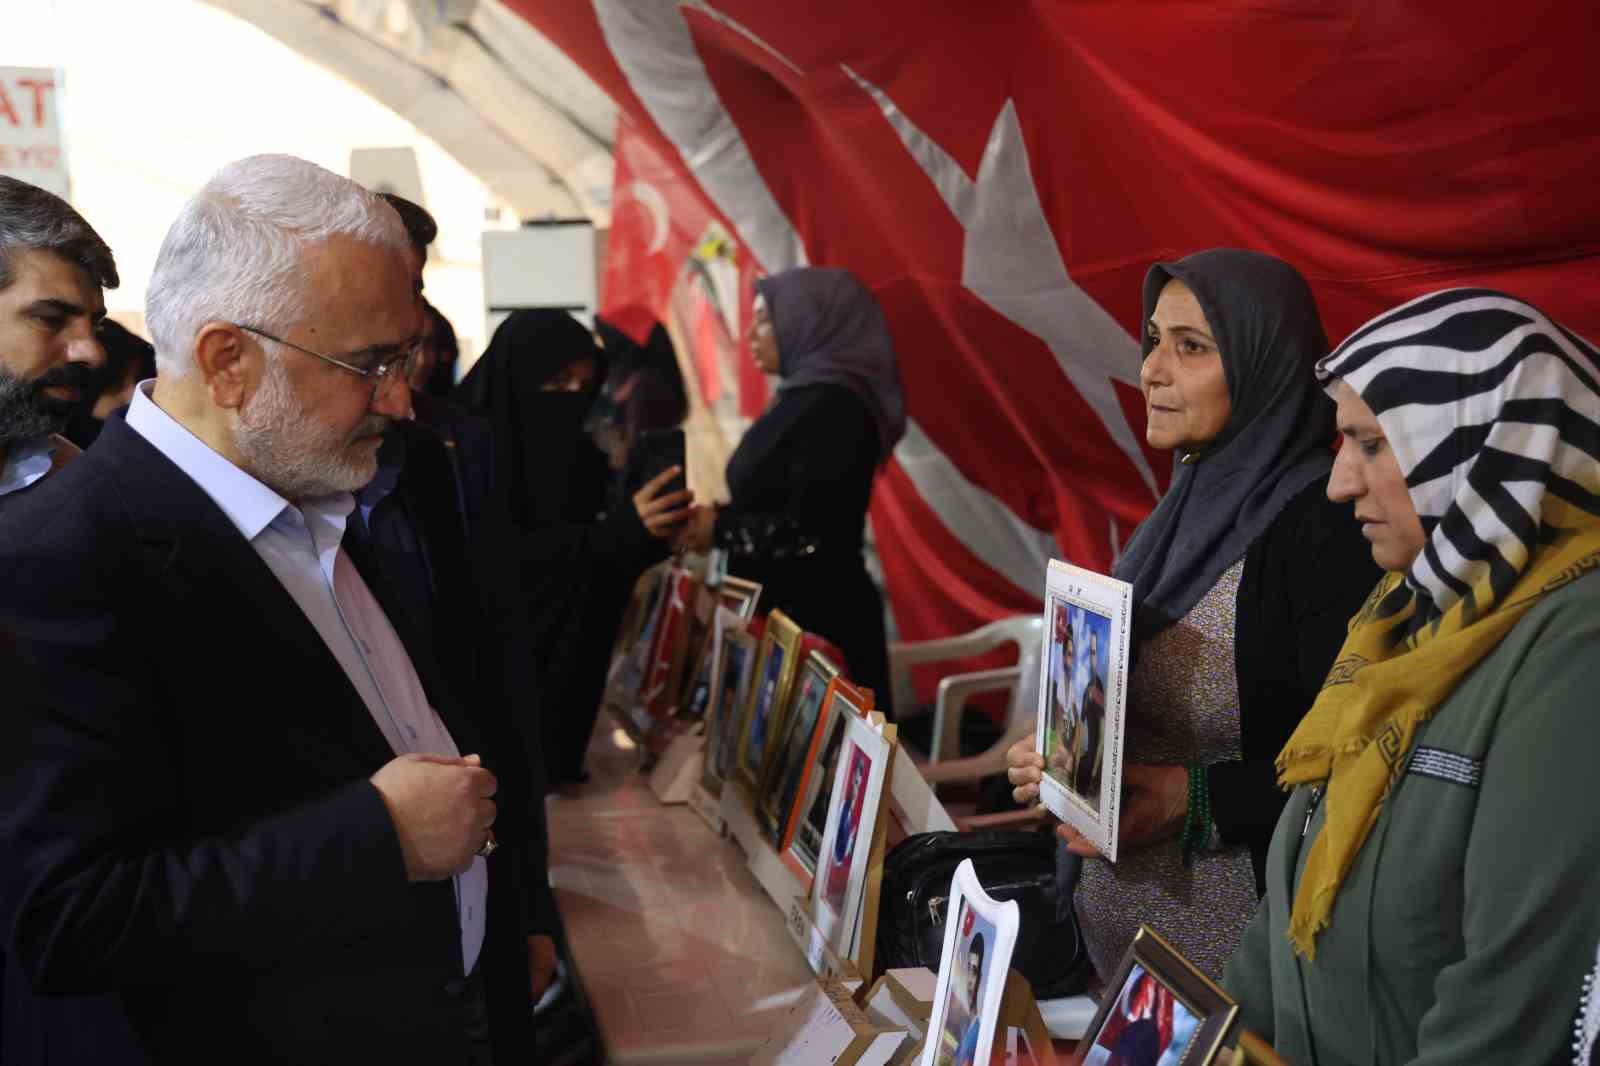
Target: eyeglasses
[(393, 367)]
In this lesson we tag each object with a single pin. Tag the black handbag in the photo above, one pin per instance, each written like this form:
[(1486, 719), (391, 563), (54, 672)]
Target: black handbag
[(1011, 864)]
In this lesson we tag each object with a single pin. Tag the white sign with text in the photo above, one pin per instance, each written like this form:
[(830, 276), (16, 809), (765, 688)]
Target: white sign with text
[(31, 145)]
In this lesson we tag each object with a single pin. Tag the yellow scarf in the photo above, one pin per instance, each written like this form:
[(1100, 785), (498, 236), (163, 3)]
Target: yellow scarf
[(1359, 733)]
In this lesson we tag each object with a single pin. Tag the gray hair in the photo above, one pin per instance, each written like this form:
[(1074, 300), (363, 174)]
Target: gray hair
[(236, 251), (31, 218)]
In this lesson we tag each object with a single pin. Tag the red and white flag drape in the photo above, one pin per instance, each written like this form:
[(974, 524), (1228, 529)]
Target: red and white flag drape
[(1002, 174)]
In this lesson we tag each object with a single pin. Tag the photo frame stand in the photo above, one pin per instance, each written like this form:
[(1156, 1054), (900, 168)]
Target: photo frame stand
[(709, 808), (771, 873), (913, 802), (827, 1025), (814, 945), (677, 771), (1019, 1010)]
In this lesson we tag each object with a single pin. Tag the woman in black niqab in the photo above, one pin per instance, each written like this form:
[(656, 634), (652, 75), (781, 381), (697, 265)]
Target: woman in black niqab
[(536, 384)]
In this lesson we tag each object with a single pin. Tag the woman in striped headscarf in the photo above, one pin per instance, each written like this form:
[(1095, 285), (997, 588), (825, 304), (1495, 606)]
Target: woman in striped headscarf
[(1430, 881)]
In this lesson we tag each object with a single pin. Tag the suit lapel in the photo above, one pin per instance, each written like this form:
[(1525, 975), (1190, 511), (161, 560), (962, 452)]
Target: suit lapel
[(381, 570), (193, 550)]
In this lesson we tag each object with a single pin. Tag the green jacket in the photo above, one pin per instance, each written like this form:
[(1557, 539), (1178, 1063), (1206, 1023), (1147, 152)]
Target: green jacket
[(1464, 929)]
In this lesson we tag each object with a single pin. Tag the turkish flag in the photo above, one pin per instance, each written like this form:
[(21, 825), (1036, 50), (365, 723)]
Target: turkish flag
[(1002, 175)]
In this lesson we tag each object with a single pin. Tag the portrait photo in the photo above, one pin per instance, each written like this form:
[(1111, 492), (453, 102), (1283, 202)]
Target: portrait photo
[(1156, 1009), (806, 845), (836, 876), (853, 840), (1079, 660), (806, 794), (766, 699), (786, 764), (958, 1037), (769, 689), (1147, 1026), (1082, 708), (725, 719), (980, 934)]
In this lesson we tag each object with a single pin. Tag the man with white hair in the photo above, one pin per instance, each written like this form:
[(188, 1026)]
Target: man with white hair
[(243, 801)]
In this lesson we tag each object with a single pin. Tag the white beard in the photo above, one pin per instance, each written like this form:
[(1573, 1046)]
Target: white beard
[(289, 451)]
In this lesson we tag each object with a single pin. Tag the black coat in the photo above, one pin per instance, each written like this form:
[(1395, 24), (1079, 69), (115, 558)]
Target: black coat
[(800, 484), (188, 832)]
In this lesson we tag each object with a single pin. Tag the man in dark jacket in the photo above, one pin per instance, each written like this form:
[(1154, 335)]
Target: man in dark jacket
[(247, 801)]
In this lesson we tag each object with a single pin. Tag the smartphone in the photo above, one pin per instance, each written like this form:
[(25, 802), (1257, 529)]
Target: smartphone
[(657, 450)]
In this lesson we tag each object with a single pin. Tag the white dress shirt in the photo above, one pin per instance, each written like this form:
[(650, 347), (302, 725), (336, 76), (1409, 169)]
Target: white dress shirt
[(300, 545)]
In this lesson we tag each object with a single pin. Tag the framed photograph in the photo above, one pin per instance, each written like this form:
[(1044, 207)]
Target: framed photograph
[(660, 692), (694, 679), (808, 816), (775, 670), (1153, 1007), (637, 637), (1083, 699), (979, 935), (793, 741), (725, 718), (739, 596), (839, 884)]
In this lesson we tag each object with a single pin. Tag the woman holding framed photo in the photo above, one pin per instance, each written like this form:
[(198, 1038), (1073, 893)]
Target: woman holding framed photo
[(802, 476), (1430, 883), (1244, 578)]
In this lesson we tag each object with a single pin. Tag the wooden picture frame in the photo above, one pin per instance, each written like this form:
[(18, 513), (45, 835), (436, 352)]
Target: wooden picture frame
[(801, 842), (739, 596), (792, 740), (725, 717), (1180, 991), (776, 664)]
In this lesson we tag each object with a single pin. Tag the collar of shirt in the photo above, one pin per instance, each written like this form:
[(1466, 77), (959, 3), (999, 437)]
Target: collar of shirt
[(26, 462), (249, 505)]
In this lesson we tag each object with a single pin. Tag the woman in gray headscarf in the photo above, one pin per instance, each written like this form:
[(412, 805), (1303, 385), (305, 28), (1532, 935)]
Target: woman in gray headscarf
[(1244, 577), (802, 476)]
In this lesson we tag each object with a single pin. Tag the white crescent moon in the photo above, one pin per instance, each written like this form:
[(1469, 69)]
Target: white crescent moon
[(650, 198)]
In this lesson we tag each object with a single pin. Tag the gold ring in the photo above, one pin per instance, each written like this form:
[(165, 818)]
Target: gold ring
[(487, 848)]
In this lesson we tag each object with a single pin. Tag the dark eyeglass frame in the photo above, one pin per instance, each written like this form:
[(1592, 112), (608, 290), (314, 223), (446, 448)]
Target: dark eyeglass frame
[(402, 361)]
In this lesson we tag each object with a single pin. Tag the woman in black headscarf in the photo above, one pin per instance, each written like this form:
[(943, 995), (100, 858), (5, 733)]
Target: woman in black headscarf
[(1244, 577), (802, 476), (536, 383)]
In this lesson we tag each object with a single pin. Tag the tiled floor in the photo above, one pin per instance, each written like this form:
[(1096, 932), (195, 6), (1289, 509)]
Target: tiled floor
[(684, 958)]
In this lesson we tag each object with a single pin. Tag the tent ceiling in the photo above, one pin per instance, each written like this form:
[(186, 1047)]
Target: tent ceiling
[(474, 77)]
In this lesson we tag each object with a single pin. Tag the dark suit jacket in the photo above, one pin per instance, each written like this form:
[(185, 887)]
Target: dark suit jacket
[(186, 821), (464, 604)]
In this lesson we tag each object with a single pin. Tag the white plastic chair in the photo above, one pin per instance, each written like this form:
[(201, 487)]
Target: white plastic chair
[(1022, 681)]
